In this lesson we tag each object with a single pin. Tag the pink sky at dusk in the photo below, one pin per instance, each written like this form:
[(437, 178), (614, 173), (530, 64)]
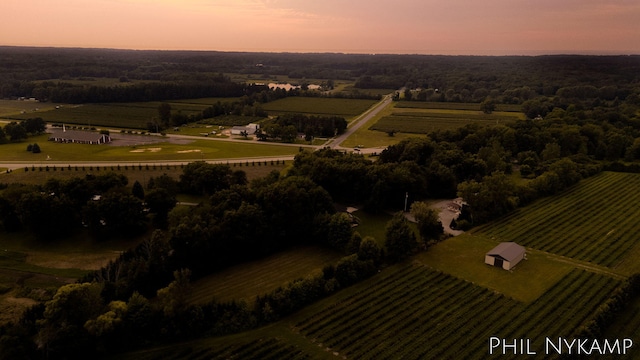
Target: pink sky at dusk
[(490, 27)]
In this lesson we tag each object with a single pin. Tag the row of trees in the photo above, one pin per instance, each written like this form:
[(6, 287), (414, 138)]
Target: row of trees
[(102, 205)]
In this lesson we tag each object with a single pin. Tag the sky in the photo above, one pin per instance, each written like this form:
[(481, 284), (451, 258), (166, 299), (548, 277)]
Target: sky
[(451, 27)]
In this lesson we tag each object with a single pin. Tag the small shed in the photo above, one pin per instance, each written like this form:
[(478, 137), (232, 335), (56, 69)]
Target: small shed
[(506, 255)]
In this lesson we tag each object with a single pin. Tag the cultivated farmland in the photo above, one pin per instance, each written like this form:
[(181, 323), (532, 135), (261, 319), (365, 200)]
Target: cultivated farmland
[(411, 311), (116, 115), (244, 282), (347, 108), (594, 221), (422, 118)]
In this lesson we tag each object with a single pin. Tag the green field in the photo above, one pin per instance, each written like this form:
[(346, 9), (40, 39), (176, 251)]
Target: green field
[(412, 118), (198, 149), (347, 108), (133, 172), (455, 106), (31, 270), (594, 221), (111, 115), (422, 118), (410, 311), (244, 282)]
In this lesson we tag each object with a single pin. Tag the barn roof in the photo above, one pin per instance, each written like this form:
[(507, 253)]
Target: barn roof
[(507, 250), (76, 135)]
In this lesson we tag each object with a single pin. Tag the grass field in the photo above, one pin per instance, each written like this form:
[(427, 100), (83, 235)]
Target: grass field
[(194, 150), (110, 115), (244, 282), (347, 108), (422, 118), (132, 172), (31, 270)]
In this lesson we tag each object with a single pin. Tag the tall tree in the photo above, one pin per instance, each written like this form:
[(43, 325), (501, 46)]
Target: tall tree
[(428, 221), (400, 239), (137, 190), (164, 112)]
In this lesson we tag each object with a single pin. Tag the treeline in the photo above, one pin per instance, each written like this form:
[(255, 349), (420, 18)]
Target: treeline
[(100, 204), (61, 92), (16, 131), (505, 79), (287, 127)]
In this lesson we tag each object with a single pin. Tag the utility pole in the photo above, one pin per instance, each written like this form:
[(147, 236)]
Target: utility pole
[(406, 197)]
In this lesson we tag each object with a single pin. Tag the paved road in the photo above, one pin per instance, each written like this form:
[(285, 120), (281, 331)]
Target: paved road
[(336, 142)]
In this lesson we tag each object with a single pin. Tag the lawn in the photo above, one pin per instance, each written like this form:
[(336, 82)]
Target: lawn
[(463, 257), (194, 150)]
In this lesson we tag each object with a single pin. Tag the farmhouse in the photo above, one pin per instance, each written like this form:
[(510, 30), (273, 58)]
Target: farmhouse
[(80, 137), (506, 255), (250, 129)]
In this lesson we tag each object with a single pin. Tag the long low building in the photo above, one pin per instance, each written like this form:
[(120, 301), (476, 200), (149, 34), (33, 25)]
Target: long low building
[(80, 137)]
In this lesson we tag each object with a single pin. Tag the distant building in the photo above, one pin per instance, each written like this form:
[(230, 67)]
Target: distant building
[(80, 137), (506, 255), (250, 129)]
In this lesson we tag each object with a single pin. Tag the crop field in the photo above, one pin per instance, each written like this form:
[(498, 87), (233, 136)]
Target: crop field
[(245, 281), (347, 108), (419, 313), (420, 119), (12, 108), (594, 221), (115, 115), (455, 106), (414, 312)]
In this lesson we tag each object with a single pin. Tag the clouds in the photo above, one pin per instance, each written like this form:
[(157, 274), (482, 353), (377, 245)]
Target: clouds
[(405, 26)]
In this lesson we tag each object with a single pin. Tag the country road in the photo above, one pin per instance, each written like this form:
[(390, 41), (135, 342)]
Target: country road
[(336, 142)]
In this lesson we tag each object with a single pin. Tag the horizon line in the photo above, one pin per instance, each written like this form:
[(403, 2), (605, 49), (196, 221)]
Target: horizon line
[(524, 53)]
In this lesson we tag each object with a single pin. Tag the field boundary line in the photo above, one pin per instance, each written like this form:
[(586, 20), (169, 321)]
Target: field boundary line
[(581, 264)]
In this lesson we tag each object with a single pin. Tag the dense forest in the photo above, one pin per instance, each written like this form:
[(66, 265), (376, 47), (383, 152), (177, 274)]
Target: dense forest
[(45, 73), (582, 118)]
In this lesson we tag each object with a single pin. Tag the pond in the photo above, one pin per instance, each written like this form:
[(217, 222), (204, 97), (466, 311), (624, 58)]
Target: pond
[(288, 86)]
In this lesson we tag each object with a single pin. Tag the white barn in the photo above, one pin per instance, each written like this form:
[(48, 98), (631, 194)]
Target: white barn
[(506, 255)]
